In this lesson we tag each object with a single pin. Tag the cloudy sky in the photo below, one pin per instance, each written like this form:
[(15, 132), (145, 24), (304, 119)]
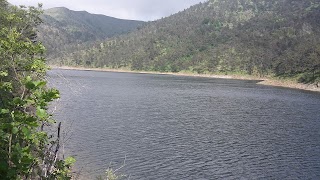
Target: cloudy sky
[(126, 9)]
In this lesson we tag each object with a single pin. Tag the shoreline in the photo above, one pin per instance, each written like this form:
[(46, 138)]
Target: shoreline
[(262, 81)]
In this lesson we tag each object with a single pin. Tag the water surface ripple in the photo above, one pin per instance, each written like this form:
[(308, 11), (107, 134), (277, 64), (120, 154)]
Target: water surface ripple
[(174, 127)]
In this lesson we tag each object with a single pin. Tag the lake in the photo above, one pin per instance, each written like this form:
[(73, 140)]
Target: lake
[(178, 127)]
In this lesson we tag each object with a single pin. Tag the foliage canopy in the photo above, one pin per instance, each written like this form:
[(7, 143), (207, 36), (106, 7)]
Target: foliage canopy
[(27, 149)]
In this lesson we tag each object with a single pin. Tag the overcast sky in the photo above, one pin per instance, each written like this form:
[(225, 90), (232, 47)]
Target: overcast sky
[(126, 9)]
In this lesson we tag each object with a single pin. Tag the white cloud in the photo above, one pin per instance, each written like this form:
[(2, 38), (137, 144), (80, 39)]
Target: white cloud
[(125, 9)]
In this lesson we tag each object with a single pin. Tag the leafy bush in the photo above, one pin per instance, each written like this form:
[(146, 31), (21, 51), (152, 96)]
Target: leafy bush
[(309, 78), (27, 151)]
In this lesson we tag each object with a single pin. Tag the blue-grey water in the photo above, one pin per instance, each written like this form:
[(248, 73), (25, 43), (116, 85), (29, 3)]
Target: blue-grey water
[(175, 127)]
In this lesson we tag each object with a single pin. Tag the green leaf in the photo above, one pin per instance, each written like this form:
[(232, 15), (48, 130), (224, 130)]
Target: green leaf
[(30, 85), (41, 113), (28, 78), (30, 101), (7, 86), (15, 130), (33, 124), (69, 161), (3, 74), (17, 101), (39, 83), (4, 111), (52, 94), (26, 132)]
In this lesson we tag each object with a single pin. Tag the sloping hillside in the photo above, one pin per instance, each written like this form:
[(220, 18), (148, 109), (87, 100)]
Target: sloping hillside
[(63, 27), (259, 37)]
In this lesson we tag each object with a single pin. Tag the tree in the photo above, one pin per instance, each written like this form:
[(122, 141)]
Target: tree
[(27, 149)]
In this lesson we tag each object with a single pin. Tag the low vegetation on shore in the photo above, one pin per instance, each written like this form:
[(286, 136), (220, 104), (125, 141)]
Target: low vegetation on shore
[(270, 81)]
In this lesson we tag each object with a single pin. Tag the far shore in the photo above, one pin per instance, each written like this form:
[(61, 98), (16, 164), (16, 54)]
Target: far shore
[(263, 81)]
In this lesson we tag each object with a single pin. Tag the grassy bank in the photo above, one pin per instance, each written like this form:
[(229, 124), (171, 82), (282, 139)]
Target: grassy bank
[(271, 81)]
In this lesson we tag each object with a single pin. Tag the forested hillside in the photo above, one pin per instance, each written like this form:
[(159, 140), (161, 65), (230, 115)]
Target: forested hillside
[(255, 37), (63, 28)]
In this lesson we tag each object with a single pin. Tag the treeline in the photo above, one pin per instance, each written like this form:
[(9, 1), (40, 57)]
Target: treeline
[(255, 37)]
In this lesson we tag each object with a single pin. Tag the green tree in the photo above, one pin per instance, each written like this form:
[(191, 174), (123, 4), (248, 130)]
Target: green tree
[(27, 150)]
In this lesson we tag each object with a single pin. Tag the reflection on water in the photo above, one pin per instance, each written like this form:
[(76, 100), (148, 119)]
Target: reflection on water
[(171, 127)]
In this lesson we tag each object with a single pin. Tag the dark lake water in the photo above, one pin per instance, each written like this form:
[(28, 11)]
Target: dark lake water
[(174, 127)]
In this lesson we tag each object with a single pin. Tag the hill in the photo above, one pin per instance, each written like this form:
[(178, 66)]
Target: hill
[(63, 27), (255, 37)]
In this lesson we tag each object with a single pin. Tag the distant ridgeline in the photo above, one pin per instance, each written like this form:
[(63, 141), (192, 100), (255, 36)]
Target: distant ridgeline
[(255, 37), (65, 29)]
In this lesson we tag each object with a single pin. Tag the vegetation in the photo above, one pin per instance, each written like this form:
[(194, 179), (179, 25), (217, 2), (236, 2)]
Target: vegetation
[(111, 174), (257, 37), (64, 28), (29, 143)]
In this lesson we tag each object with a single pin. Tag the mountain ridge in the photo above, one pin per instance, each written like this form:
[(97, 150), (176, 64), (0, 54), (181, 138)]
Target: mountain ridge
[(255, 37), (84, 11), (63, 27)]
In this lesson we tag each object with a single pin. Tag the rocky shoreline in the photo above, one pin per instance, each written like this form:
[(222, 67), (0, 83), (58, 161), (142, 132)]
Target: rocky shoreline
[(263, 81)]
